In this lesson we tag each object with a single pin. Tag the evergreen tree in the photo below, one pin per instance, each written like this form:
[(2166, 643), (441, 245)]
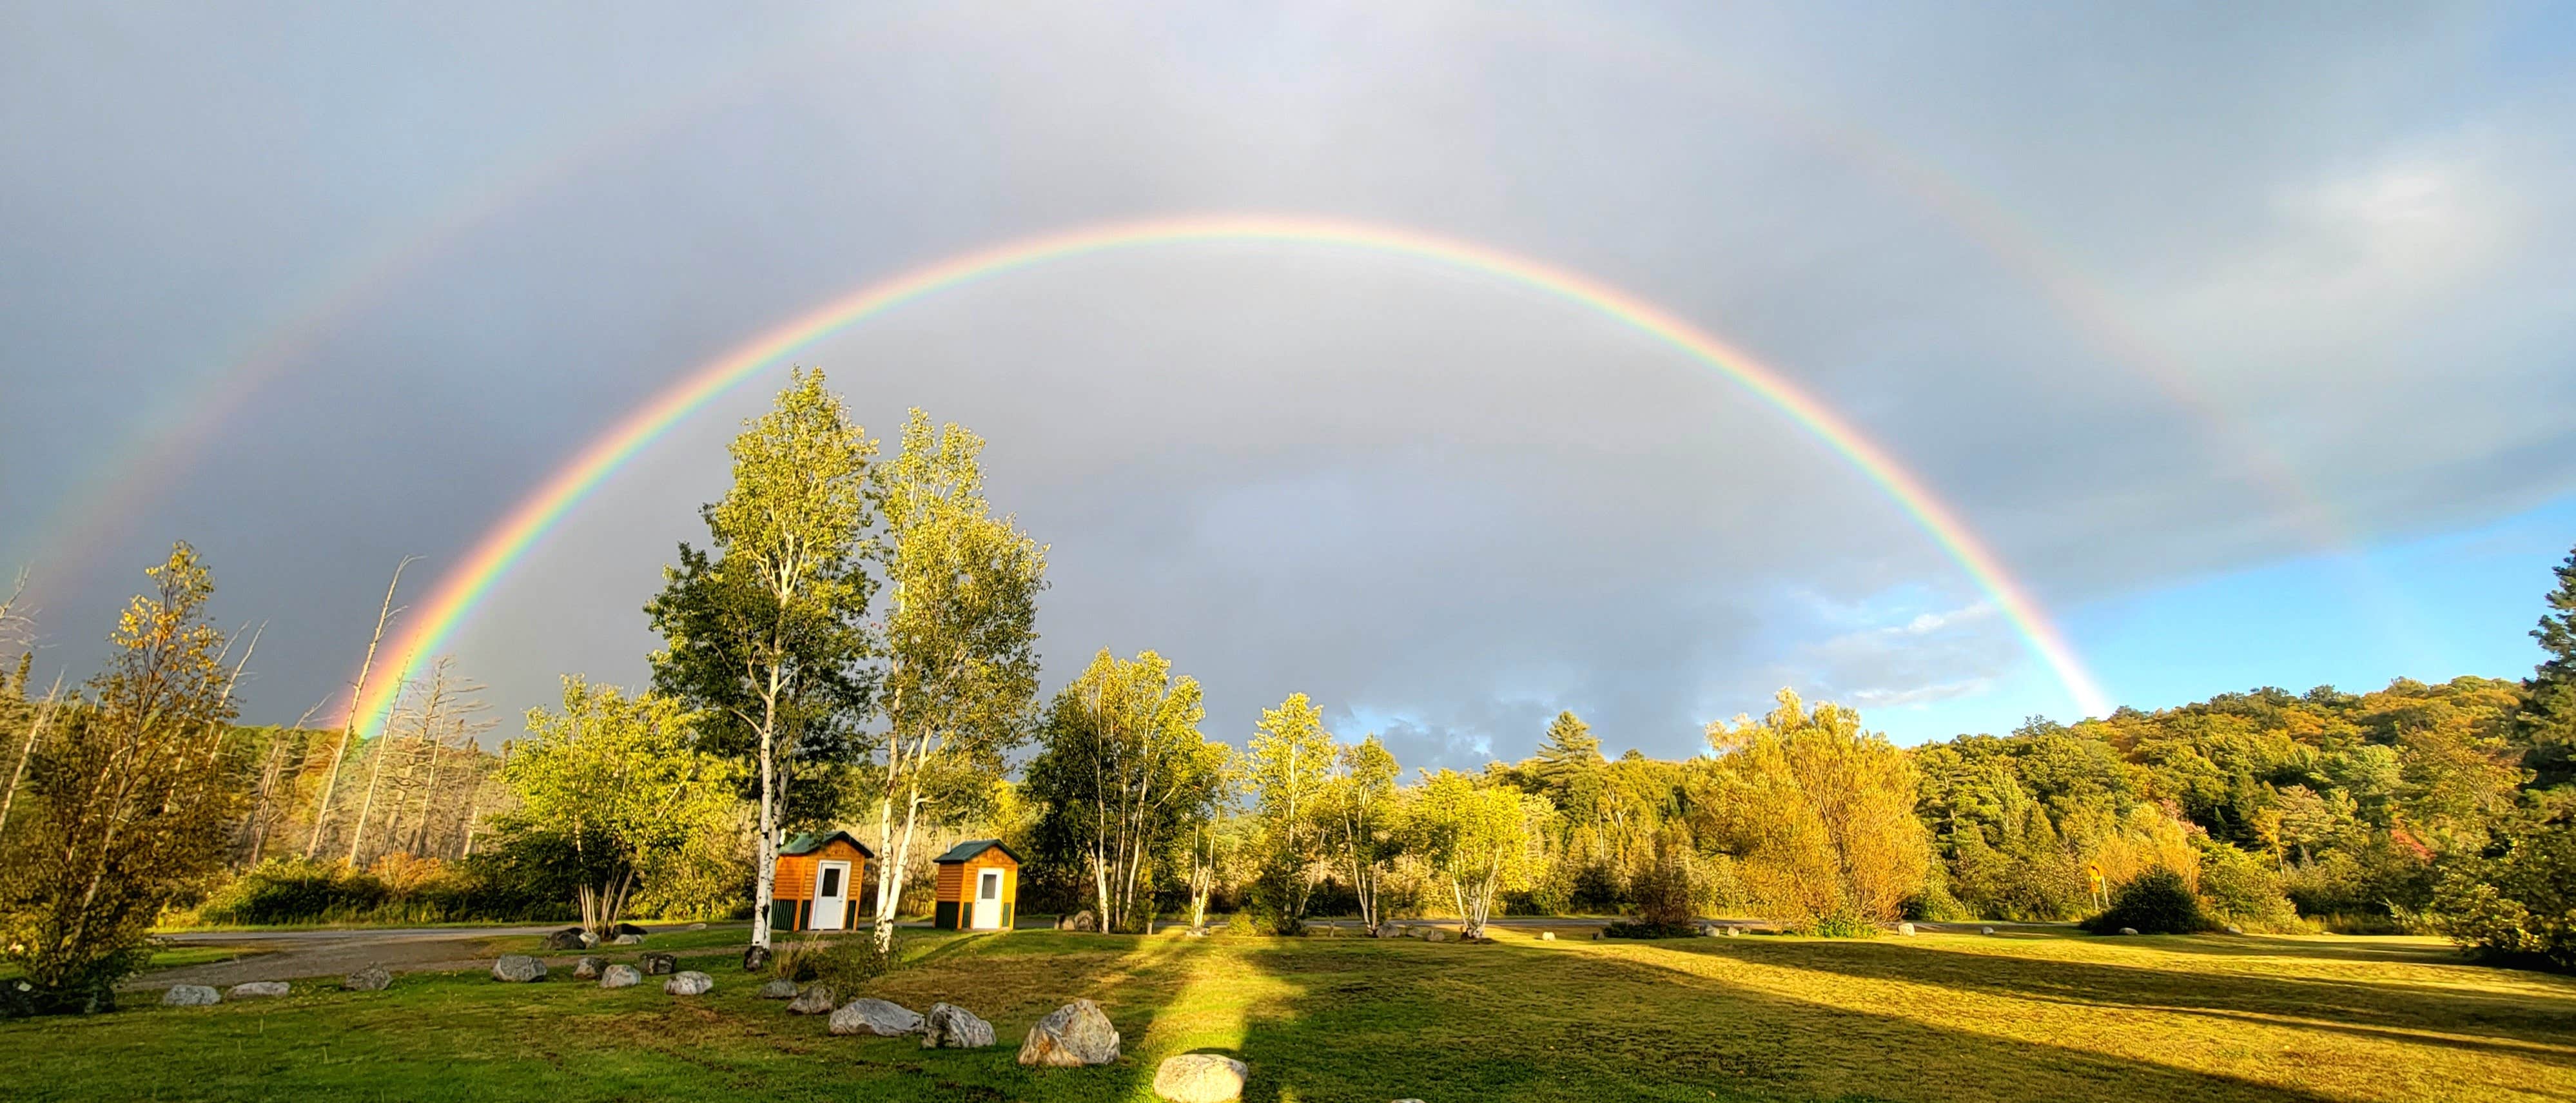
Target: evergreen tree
[(2547, 723)]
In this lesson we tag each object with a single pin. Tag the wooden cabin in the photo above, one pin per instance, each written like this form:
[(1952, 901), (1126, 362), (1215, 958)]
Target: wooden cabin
[(979, 887), (816, 885)]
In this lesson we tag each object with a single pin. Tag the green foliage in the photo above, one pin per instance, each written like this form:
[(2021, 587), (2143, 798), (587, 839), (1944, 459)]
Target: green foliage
[(1285, 771), (1482, 839), (1125, 780), (2158, 901), (131, 800), (1818, 815), (2517, 907), (2245, 890), (843, 965), (2546, 723)]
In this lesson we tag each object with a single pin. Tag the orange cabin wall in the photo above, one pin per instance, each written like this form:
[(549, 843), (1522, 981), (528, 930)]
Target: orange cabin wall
[(796, 872), (954, 877)]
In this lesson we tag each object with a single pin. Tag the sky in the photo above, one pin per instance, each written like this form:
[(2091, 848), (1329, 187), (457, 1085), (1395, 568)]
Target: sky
[(2242, 339)]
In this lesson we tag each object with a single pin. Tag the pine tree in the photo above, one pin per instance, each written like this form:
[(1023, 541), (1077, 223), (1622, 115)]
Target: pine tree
[(2548, 720)]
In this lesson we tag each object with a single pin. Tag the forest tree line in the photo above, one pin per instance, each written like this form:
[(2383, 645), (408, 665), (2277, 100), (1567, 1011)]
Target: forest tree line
[(854, 646)]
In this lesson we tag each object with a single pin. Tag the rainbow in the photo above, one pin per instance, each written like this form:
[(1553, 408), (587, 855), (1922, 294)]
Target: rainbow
[(459, 592)]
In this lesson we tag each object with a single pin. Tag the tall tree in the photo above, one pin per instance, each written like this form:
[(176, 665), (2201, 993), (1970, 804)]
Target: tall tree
[(958, 635), (1126, 777), (130, 813), (1285, 770), (2547, 722), (1818, 814), (1481, 838), (349, 725), (615, 786), (1367, 819), (767, 635)]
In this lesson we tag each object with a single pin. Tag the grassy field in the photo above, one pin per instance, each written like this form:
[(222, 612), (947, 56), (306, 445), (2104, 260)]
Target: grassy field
[(1938, 1017)]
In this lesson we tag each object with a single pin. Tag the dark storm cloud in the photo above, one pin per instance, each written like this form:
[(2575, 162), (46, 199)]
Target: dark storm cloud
[(1444, 506)]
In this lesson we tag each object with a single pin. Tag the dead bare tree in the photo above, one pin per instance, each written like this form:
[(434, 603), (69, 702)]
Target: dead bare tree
[(262, 815), (357, 700), (376, 771)]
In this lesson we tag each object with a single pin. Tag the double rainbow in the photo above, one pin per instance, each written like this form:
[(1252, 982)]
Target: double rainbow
[(461, 590)]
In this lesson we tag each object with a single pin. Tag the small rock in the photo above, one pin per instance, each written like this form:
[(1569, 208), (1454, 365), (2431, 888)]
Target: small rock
[(869, 1015), (1547, 936), (2234, 929), (690, 983), (373, 978), (569, 938), (1905, 929), (588, 968), (2128, 930), (779, 989), (257, 989), (755, 958), (697, 926), (657, 965), (1434, 934), (190, 995), (1199, 1078), (518, 969), (1073, 1035), (1985, 930), (1079, 921), (1734, 931), (589, 940), (949, 1026), (627, 940), (620, 976), (816, 999)]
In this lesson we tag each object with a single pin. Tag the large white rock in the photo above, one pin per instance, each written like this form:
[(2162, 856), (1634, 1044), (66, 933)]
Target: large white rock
[(952, 1027), (1076, 1034), (190, 995), (869, 1015), (373, 978), (256, 989), (518, 969), (816, 999), (689, 983), (1199, 1078), (620, 976)]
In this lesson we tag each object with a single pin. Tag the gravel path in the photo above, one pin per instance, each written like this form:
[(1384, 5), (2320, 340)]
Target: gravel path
[(292, 955)]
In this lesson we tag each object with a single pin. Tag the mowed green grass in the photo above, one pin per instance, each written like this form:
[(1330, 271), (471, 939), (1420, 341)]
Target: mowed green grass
[(1937, 1017)]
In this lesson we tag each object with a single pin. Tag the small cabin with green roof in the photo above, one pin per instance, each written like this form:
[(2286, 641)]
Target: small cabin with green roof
[(816, 882), (979, 887)]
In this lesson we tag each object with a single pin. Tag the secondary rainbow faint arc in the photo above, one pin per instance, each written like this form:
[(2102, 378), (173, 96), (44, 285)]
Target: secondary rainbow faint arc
[(463, 588)]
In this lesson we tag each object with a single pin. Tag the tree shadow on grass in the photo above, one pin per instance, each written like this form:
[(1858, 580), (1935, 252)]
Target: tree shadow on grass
[(2395, 1005)]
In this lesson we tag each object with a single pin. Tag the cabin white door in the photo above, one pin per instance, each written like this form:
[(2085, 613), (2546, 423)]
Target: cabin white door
[(988, 900), (831, 895)]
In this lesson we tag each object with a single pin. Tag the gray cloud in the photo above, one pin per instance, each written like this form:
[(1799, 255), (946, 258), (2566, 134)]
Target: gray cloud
[(1443, 505)]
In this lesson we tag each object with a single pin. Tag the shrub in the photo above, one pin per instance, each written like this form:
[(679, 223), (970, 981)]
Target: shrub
[(2243, 890), (286, 890), (2517, 908), (2157, 901), (843, 965), (1842, 924)]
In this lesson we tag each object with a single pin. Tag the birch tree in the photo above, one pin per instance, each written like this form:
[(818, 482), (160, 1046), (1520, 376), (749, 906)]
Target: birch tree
[(1482, 839), (1125, 775), (958, 641), (1366, 819), (1285, 770), (766, 632)]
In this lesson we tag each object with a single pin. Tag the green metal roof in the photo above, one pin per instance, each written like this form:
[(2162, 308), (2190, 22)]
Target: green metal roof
[(809, 843), (973, 847)]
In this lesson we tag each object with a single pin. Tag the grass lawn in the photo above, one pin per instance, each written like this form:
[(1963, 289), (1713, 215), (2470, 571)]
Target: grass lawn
[(1937, 1017)]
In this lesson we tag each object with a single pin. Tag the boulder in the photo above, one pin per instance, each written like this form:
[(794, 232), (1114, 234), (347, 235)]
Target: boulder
[(373, 978), (518, 969), (690, 983), (624, 929), (1547, 936), (1434, 934), (2234, 929), (589, 968), (190, 995), (1199, 1078), (657, 965), (816, 999), (949, 1026), (620, 976), (569, 938), (778, 989), (1071, 1036), (869, 1015), (2128, 930), (755, 958), (1906, 929), (256, 989), (697, 926), (1079, 921), (1734, 931), (1985, 930), (627, 940)]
